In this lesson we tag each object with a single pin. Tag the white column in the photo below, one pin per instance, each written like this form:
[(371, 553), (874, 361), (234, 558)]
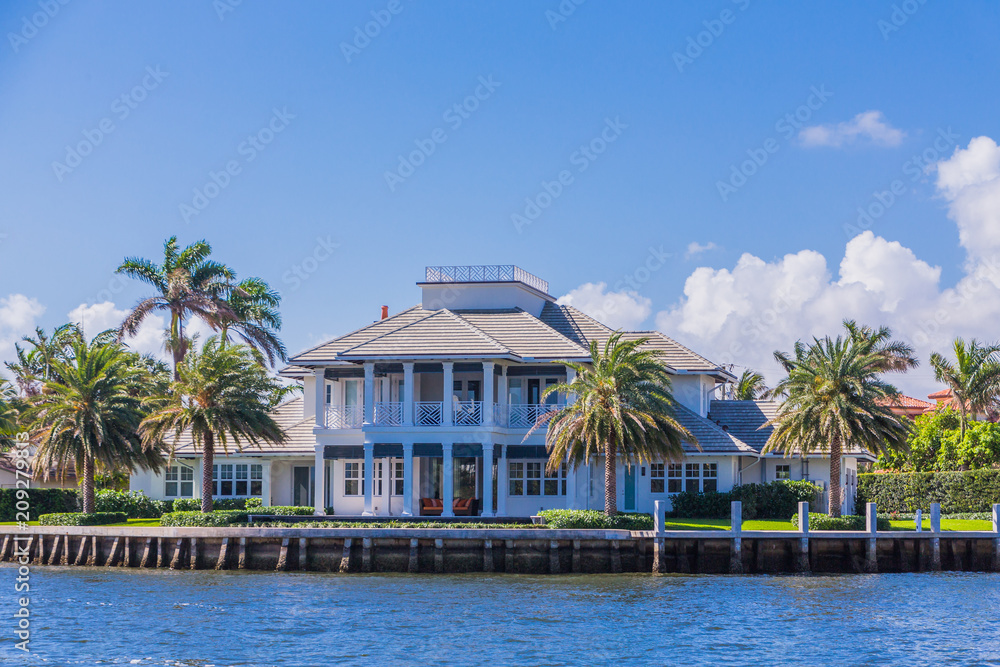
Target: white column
[(320, 502), (265, 491), (487, 479), (320, 398), (369, 392), (502, 398), (502, 482), (407, 479), (387, 485), (408, 393), (570, 376), (487, 393), (449, 392), (448, 483), (369, 476)]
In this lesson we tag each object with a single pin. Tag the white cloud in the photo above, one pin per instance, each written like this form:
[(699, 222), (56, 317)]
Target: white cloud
[(868, 126), (619, 310), (100, 317), (18, 315), (970, 181), (694, 249)]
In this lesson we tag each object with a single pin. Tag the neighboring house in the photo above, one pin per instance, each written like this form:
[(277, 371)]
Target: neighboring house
[(944, 397), (907, 406), (435, 402), (9, 477)]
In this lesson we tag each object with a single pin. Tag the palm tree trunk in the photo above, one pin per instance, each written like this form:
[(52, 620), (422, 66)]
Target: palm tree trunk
[(835, 454), (206, 472), (611, 478), (88, 485)]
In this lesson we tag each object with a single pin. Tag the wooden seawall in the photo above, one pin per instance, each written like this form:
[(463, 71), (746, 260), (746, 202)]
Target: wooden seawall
[(528, 551)]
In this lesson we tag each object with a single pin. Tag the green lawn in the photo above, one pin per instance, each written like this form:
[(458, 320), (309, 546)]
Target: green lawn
[(131, 523), (775, 524)]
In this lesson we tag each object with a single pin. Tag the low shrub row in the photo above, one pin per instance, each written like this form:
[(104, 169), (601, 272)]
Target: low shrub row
[(846, 522), (774, 500), (135, 504), (594, 519), (194, 504), (971, 491), (82, 519), (282, 510), (399, 524), (215, 519), (36, 502)]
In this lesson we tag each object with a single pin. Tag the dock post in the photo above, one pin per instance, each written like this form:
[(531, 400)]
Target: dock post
[(936, 539), (193, 564), (439, 555), (508, 556), (83, 549), (487, 555), (221, 563), (303, 552), (659, 515), (64, 560), (553, 557), (616, 557), (145, 553), (178, 547), (55, 551), (736, 544), (659, 562), (92, 559), (40, 553), (345, 558), (918, 521), (242, 563), (871, 526), (366, 554), (803, 561), (414, 565), (114, 553), (283, 555), (996, 537), (160, 549), (127, 554), (3, 549)]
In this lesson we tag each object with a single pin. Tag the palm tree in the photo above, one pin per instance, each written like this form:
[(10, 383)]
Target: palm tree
[(974, 377), (897, 356), (221, 395), (188, 283), (750, 386), (33, 366), (255, 318), (85, 417), (835, 401), (621, 407), (9, 413)]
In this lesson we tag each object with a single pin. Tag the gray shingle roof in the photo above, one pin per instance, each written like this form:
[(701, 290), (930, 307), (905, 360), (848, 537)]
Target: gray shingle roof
[(440, 332), (288, 415), (523, 334), (712, 438)]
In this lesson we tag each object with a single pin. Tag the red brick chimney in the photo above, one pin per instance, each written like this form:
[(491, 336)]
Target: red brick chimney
[(385, 312)]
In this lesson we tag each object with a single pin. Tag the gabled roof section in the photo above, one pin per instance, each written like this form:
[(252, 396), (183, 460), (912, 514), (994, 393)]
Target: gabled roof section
[(329, 350), (676, 355), (712, 438), (289, 417), (523, 334), (439, 333)]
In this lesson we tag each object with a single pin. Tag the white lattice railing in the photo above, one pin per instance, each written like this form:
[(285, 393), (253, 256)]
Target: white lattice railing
[(344, 416), (388, 413), (499, 414), (525, 415), (427, 413), (468, 413), (484, 273)]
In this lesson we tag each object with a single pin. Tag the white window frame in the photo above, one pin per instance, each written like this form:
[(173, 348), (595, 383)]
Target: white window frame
[(354, 471), (397, 478), (780, 468), (522, 473), (657, 473), (175, 474), (252, 472), (702, 470)]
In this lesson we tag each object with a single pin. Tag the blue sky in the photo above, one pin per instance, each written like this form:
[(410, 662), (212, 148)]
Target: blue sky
[(337, 112)]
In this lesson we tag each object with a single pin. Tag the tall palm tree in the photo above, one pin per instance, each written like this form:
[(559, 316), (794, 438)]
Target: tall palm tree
[(621, 407), (750, 386), (897, 356), (188, 285), (834, 401), (9, 413), (256, 319), (221, 396), (33, 366), (86, 418), (974, 377)]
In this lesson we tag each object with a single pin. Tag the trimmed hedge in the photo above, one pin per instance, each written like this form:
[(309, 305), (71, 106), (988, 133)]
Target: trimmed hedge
[(36, 502), (136, 504), (595, 519), (846, 522), (216, 519), (81, 519), (774, 500), (282, 510), (958, 492), (194, 504)]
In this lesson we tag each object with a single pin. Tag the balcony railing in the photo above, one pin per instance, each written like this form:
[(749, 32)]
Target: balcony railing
[(525, 415), (388, 413), (468, 413), (344, 416), (484, 273), (427, 413)]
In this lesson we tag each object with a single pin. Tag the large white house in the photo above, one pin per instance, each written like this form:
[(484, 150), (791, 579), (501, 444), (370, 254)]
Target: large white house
[(435, 402)]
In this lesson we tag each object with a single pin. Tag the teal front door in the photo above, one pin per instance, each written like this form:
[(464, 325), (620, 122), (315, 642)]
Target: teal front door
[(629, 488)]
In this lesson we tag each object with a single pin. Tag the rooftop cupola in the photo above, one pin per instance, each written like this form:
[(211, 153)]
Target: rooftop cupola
[(482, 287)]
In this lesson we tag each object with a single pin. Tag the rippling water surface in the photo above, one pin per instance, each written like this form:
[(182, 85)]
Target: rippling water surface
[(85, 616)]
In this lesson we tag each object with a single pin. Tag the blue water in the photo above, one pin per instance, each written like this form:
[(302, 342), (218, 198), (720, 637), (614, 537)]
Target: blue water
[(87, 616)]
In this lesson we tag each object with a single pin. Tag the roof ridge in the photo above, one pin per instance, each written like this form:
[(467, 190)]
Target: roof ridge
[(488, 338), (586, 351), (291, 361)]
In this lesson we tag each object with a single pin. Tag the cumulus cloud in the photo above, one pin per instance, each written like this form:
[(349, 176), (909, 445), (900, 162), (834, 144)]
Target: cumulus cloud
[(98, 317), (869, 126), (970, 181), (619, 310), (694, 249), (18, 315)]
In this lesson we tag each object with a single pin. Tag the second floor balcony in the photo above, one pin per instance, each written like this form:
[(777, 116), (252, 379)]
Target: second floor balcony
[(434, 413)]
